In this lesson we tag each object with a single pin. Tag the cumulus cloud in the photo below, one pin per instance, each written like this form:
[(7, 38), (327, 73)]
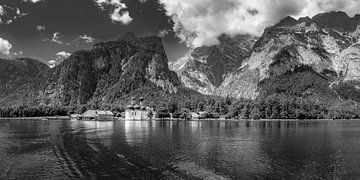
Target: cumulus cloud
[(201, 22), (59, 58), (53, 63), (63, 55), (55, 38), (87, 38), (40, 28), (123, 17), (5, 46), (19, 53), (118, 10)]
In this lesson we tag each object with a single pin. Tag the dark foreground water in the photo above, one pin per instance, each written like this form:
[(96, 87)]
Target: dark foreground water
[(179, 150)]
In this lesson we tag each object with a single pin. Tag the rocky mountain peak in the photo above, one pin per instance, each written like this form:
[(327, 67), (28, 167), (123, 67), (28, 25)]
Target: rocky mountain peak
[(338, 21), (287, 21), (307, 20), (204, 68), (129, 36)]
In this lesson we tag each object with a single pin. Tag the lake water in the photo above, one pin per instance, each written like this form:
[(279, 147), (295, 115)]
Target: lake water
[(31, 149)]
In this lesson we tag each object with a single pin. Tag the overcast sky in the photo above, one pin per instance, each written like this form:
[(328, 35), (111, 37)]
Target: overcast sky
[(50, 30)]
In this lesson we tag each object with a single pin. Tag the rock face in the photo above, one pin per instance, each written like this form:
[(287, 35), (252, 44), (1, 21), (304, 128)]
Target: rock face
[(205, 68), (106, 73), (303, 58), (15, 73)]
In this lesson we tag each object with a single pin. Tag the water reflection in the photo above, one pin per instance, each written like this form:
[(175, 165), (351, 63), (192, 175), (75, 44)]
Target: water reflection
[(187, 149)]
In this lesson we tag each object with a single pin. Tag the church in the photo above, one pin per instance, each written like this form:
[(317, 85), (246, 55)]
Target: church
[(136, 111)]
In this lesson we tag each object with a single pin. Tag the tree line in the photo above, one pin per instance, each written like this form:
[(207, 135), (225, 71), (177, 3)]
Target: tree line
[(211, 107)]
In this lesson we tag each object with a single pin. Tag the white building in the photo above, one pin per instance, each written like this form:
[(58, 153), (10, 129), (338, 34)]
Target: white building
[(136, 112)]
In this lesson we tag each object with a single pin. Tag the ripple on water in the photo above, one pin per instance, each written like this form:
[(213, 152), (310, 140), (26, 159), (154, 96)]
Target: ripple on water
[(179, 150)]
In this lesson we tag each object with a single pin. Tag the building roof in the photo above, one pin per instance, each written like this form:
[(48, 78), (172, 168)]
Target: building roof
[(105, 113), (89, 113), (93, 113)]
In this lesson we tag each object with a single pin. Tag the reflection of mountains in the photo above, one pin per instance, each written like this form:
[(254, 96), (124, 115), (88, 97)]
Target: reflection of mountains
[(310, 150), (188, 149), (94, 150)]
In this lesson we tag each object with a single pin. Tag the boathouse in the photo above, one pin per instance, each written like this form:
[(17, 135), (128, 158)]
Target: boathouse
[(96, 115)]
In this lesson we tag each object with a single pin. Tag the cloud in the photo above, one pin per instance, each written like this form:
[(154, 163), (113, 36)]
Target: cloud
[(201, 22), (9, 13), (40, 28), (5, 46), (62, 55), (53, 63), (59, 58), (55, 38), (118, 10), (123, 17), (2, 11), (87, 38), (163, 32), (33, 1), (19, 53)]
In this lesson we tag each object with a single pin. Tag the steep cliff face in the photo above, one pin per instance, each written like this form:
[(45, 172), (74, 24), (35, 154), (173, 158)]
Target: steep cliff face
[(106, 73), (348, 84), (301, 58), (17, 72), (205, 68)]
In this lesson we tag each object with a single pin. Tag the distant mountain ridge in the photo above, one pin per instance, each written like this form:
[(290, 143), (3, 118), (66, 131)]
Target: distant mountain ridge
[(16, 72)]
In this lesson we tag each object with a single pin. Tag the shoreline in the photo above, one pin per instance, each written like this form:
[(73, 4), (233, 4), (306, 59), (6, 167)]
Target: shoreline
[(68, 118), (39, 118)]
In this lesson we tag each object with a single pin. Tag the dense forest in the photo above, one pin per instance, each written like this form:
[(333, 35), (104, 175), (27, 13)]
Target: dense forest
[(181, 106)]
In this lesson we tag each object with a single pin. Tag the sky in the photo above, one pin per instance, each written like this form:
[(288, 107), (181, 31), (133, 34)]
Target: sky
[(50, 30)]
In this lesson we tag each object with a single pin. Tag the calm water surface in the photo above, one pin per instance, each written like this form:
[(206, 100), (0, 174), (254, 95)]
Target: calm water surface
[(31, 149)]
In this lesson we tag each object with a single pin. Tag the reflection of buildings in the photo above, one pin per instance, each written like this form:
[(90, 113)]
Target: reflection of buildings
[(135, 111), (137, 131), (97, 133)]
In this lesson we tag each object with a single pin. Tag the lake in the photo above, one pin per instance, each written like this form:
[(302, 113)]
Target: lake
[(35, 149)]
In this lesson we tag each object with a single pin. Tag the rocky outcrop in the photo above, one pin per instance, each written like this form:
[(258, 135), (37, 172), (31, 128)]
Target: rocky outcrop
[(205, 68)]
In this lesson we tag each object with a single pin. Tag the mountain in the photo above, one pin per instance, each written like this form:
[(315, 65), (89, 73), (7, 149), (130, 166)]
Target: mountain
[(110, 72), (15, 73), (314, 58), (204, 69)]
